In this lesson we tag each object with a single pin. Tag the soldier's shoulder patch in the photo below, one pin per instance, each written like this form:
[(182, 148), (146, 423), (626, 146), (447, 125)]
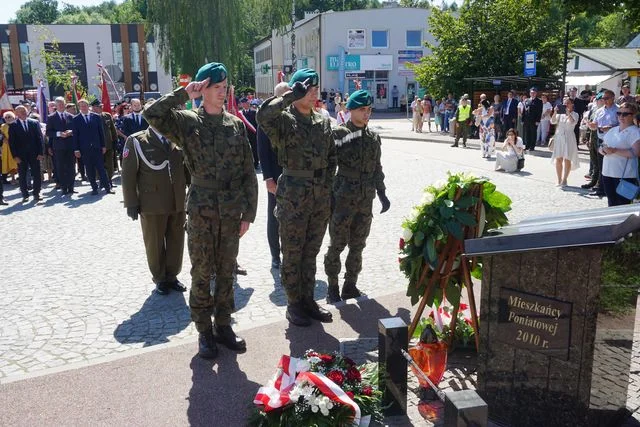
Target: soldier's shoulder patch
[(125, 152)]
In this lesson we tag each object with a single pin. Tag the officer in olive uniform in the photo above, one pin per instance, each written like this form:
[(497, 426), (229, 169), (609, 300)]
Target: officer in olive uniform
[(110, 137), (222, 197), (154, 186), (358, 179), (306, 151)]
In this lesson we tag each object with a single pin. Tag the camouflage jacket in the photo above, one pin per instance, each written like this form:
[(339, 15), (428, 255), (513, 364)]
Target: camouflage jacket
[(217, 154), (359, 167), (302, 143), (110, 133)]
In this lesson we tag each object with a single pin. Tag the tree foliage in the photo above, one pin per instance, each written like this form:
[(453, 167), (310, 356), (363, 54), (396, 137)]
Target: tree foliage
[(37, 12), (479, 40)]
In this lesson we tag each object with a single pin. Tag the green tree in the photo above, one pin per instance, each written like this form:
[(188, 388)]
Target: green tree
[(83, 17), (37, 12)]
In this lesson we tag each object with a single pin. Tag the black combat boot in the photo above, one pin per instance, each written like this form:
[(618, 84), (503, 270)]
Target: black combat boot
[(207, 348), (349, 290), (297, 315), (333, 294), (316, 312), (225, 336)]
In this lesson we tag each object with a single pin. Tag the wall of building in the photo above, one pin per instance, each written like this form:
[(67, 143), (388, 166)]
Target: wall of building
[(320, 40), (117, 47)]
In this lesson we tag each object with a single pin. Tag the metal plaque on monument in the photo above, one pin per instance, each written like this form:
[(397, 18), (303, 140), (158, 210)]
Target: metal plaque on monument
[(557, 317)]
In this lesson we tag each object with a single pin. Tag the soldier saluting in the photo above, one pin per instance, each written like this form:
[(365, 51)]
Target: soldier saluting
[(222, 197), (306, 151), (358, 179)]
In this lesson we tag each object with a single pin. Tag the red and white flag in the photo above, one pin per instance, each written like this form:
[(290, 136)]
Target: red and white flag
[(232, 108)]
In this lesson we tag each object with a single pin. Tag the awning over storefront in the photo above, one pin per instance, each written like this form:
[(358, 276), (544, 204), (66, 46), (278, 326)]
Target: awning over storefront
[(591, 80)]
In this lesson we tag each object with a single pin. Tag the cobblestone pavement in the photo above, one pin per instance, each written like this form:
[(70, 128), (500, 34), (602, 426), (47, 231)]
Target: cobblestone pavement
[(76, 287)]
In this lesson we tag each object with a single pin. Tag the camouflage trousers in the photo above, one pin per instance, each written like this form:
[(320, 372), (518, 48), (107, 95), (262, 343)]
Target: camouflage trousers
[(213, 247), (109, 166), (303, 213), (349, 225)]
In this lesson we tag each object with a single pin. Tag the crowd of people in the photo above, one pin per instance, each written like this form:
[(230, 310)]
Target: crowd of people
[(523, 123)]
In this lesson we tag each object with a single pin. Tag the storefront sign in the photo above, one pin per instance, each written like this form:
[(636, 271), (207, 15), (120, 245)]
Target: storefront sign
[(376, 62), (534, 322), (408, 57), (355, 75), (351, 62)]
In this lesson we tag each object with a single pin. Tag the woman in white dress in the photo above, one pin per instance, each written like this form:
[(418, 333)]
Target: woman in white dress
[(565, 149), (512, 150)]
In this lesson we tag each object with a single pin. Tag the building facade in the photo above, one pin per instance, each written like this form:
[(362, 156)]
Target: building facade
[(123, 49), (369, 47), (604, 68)]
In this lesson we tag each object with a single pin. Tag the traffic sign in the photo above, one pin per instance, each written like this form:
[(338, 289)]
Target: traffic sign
[(184, 79), (530, 63)]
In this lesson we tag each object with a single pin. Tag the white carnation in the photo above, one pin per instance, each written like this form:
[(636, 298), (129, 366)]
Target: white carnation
[(428, 198), (440, 183), (406, 234)]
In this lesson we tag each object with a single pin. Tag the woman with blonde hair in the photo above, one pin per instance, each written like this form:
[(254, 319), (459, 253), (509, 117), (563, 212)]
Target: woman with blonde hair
[(9, 165)]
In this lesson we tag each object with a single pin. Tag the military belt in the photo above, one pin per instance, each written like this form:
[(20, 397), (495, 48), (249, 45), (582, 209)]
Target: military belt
[(215, 185), (304, 173), (354, 173)]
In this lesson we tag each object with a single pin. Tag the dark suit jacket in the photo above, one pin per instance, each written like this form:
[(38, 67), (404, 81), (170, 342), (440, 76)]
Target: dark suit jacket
[(88, 136), (532, 110), (268, 157), (25, 144), (512, 112), (130, 125), (54, 125)]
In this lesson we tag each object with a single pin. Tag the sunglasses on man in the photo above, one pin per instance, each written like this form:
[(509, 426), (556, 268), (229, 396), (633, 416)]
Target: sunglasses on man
[(623, 113)]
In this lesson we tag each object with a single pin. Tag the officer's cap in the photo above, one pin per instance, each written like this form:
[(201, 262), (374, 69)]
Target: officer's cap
[(303, 74), (359, 98), (96, 103), (533, 89), (215, 71), (244, 99)]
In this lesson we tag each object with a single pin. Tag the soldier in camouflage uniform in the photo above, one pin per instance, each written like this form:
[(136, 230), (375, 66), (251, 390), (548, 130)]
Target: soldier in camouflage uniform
[(358, 179), (306, 151), (222, 197), (110, 138)]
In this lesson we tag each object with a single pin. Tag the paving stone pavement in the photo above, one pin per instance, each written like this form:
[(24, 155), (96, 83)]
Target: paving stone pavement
[(76, 286)]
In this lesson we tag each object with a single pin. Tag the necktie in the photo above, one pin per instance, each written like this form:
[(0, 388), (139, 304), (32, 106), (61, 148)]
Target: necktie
[(24, 125), (139, 119), (60, 115), (86, 118)]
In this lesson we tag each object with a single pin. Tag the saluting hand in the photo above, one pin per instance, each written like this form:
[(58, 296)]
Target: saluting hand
[(194, 89), (300, 89)]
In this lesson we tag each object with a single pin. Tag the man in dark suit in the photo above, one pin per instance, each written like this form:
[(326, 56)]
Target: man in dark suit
[(510, 111), (60, 133), (250, 114), (88, 140), (271, 171), (134, 122), (26, 143), (531, 119), (110, 138)]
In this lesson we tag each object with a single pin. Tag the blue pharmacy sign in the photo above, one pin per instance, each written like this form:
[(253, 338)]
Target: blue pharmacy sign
[(530, 63)]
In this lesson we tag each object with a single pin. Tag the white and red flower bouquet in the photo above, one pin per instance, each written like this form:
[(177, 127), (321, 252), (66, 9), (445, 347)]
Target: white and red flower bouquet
[(319, 389)]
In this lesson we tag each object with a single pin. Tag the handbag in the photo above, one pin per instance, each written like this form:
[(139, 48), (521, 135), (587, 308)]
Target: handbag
[(520, 163), (627, 189)]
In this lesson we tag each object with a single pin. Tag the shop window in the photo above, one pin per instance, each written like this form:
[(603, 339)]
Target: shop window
[(380, 39), (414, 38)]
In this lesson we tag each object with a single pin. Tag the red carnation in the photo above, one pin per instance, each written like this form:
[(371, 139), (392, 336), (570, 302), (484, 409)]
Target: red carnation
[(326, 358), (463, 306), (401, 243), (336, 376), (350, 394), (367, 390), (353, 374)]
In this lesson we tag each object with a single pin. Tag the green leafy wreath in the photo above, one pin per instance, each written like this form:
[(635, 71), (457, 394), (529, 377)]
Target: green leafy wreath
[(446, 208)]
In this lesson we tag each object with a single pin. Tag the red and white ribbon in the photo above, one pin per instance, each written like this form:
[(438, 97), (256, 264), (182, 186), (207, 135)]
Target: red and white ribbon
[(292, 371)]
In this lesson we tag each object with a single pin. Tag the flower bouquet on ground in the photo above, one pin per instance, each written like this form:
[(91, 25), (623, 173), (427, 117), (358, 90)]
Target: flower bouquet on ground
[(319, 389)]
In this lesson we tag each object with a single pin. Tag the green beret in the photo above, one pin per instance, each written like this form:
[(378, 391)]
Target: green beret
[(359, 98), (214, 70), (302, 75)]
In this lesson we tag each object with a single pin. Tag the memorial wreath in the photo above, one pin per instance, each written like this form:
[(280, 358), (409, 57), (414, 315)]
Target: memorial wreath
[(319, 389), (444, 212)]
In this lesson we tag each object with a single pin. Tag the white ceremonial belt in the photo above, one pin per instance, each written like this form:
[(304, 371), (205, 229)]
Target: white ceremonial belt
[(165, 164)]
